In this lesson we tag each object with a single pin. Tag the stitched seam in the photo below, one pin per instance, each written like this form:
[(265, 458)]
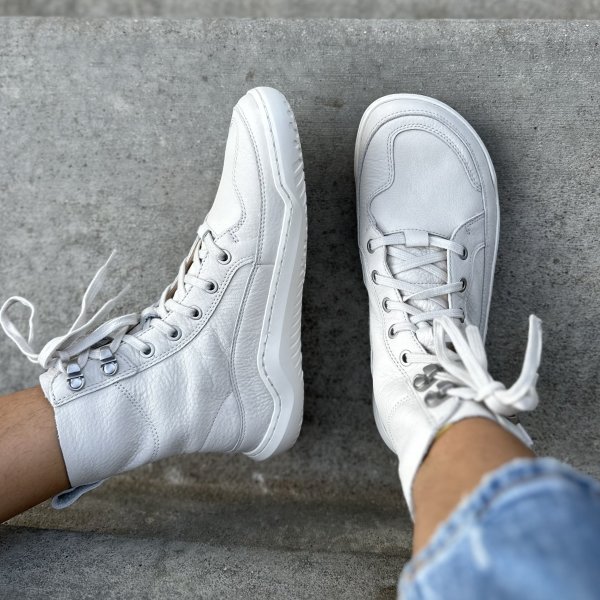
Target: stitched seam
[(238, 194), (436, 117), (467, 302), (129, 363), (390, 156), (397, 406), (53, 399), (137, 405), (470, 221), (258, 254), (218, 339), (234, 381), (277, 278), (212, 425)]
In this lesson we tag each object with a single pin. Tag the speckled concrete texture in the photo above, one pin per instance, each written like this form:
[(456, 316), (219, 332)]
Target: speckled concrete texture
[(91, 566), (373, 9), (112, 136), (269, 519)]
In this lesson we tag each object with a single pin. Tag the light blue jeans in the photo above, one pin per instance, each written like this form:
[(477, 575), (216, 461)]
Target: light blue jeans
[(530, 531)]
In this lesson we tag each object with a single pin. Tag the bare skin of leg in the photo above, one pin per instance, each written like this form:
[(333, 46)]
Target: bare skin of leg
[(31, 463), (456, 462)]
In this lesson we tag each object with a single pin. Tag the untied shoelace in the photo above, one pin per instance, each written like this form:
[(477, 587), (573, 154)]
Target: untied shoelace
[(87, 333), (458, 364)]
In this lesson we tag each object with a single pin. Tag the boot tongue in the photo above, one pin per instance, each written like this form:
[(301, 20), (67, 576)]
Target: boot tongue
[(417, 245), (193, 269), (180, 291)]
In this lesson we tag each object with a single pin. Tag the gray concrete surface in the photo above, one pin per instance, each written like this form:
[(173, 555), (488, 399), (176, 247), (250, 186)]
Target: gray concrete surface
[(111, 136), (372, 9), (89, 566), (234, 517)]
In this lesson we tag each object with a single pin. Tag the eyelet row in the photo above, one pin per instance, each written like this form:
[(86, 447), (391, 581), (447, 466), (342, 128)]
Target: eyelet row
[(108, 361), (173, 336)]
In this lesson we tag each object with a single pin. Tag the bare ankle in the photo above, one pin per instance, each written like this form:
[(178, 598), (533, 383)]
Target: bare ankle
[(454, 466)]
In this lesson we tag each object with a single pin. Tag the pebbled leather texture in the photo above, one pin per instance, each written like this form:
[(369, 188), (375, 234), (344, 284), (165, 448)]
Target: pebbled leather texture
[(202, 392), (421, 168)]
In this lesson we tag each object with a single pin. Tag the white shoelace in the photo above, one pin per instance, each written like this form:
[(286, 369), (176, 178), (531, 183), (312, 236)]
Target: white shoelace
[(86, 333), (460, 372), (402, 261), (464, 370)]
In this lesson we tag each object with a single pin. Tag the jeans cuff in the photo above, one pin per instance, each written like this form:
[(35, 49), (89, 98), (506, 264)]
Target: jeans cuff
[(492, 488)]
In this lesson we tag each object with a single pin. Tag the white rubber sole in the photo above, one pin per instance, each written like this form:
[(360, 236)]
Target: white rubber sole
[(362, 141), (280, 355)]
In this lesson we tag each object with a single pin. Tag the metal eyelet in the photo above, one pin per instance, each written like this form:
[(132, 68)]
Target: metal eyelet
[(421, 382), (75, 379), (464, 254), (108, 362), (369, 247), (385, 306), (373, 275), (433, 399), (226, 259), (211, 286), (391, 333), (110, 368), (404, 357), (149, 351), (175, 334), (464, 284), (426, 379), (196, 313)]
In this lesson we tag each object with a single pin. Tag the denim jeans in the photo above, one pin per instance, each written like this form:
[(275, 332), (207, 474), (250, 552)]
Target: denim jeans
[(531, 531)]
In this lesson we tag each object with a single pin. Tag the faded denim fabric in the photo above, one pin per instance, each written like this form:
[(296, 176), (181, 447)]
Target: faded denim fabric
[(531, 531)]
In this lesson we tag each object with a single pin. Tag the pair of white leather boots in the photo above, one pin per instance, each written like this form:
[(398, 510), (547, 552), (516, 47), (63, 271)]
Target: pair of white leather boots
[(215, 364)]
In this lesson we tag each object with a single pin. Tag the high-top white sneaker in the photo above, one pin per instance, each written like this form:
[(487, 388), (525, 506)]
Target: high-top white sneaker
[(215, 364), (428, 235)]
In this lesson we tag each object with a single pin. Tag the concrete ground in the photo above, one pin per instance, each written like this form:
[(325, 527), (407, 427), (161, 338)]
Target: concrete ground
[(371, 9), (111, 136), (87, 566)]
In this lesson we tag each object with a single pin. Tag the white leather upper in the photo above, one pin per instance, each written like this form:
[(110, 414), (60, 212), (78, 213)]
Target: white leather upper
[(421, 171), (203, 391)]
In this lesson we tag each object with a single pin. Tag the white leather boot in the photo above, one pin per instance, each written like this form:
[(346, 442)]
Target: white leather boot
[(428, 236), (215, 364)]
